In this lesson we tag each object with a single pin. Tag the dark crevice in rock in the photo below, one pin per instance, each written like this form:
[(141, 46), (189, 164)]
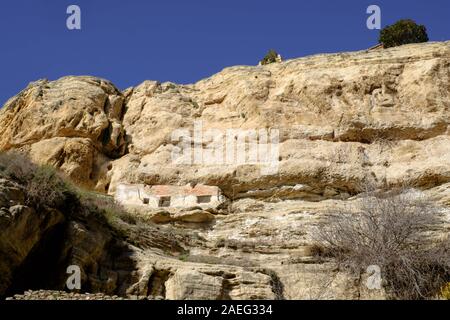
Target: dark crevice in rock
[(156, 283), (41, 269)]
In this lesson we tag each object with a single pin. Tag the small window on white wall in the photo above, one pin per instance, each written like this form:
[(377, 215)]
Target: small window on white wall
[(164, 202), (203, 199)]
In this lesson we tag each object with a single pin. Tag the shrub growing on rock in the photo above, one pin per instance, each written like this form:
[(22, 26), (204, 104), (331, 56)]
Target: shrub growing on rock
[(46, 188), (393, 233), (43, 185), (16, 166), (270, 57), (403, 32)]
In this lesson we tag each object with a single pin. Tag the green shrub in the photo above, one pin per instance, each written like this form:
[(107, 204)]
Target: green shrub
[(403, 32), (270, 57), (103, 206), (45, 188), (184, 257)]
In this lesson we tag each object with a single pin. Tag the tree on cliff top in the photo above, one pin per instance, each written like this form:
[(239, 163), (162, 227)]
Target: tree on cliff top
[(271, 57), (403, 32)]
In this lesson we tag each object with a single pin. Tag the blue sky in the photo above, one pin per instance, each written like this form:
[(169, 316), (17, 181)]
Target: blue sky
[(184, 41)]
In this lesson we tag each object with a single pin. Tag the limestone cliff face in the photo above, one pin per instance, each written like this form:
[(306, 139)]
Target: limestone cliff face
[(344, 120), (73, 123)]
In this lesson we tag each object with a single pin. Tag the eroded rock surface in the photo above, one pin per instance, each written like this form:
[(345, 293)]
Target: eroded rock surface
[(74, 123), (345, 120)]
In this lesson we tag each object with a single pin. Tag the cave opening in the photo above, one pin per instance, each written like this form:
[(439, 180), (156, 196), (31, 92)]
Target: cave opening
[(43, 269)]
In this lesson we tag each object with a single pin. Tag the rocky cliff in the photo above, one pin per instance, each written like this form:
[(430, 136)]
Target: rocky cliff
[(344, 120)]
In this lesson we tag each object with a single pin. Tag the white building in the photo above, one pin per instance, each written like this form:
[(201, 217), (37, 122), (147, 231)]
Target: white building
[(160, 196)]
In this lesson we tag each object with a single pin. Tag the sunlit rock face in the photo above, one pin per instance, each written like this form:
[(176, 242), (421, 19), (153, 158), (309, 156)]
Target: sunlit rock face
[(343, 121), (74, 123)]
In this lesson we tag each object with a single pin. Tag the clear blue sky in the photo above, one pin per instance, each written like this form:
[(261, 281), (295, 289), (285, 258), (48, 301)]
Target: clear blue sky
[(128, 41)]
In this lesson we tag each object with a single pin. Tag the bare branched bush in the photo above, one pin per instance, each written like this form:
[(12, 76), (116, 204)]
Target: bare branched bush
[(395, 232), (46, 188), (105, 206), (16, 166), (43, 185)]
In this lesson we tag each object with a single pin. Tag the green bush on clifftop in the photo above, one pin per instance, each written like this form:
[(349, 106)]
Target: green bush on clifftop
[(403, 32), (270, 57)]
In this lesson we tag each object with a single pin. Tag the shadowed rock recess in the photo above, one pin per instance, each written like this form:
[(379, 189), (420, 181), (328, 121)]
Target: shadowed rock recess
[(345, 120)]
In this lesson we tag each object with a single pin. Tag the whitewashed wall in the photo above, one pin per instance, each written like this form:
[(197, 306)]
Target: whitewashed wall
[(134, 195)]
